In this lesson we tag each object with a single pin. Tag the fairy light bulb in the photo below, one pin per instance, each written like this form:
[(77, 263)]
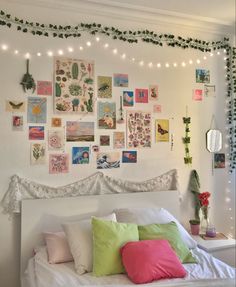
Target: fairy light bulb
[(60, 52), (39, 54), (204, 58), (198, 61), (97, 39), (211, 54), (167, 65), (123, 56), (27, 55), (158, 65), (141, 63), (190, 62), (16, 52), (81, 48), (218, 53), (70, 49), (88, 44), (133, 59), (114, 51), (183, 64), (150, 65), (106, 45), (4, 47), (50, 53), (175, 65)]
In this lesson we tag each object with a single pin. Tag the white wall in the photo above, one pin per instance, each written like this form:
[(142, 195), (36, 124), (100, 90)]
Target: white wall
[(175, 87)]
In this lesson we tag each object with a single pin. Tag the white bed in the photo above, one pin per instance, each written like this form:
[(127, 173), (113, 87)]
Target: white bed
[(35, 219)]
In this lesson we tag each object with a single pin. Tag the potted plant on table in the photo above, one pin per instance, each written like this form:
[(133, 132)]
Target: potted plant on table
[(195, 226)]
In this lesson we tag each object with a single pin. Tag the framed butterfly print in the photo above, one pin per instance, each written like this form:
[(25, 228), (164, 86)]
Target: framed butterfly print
[(162, 130)]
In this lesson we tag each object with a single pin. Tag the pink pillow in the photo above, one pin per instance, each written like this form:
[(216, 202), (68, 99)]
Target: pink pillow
[(149, 260), (57, 247)]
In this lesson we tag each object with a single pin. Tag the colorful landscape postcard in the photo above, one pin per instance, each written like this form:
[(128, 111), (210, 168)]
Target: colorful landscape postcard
[(106, 115), (80, 155), (56, 139), (17, 123), (128, 98), (58, 163), (37, 110), (107, 160), (162, 130), (118, 140), (141, 96), (153, 92), (104, 140), (44, 88), (202, 76), (129, 156), (36, 132), (38, 153), (15, 106), (79, 131), (120, 80), (104, 87)]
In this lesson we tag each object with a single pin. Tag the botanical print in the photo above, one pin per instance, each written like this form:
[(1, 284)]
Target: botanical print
[(17, 123), (104, 140), (138, 129), (74, 85), (108, 160), (38, 153), (36, 133), (80, 155), (104, 87), (119, 139), (56, 122), (129, 156), (202, 76), (106, 115), (141, 96), (157, 108), (162, 130), (44, 88), (58, 163), (219, 160), (15, 106), (128, 98), (209, 90), (56, 139), (37, 110), (153, 92), (120, 80), (79, 131), (197, 94)]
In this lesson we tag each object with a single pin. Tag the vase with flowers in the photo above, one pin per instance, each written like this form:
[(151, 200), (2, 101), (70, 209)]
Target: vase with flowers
[(204, 210)]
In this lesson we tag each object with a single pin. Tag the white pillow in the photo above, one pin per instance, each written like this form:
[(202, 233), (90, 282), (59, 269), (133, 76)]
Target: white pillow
[(144, 216), (80, 238)]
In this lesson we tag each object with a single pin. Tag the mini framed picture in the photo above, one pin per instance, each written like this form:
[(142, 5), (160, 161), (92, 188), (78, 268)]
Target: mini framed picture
[(104, 140), (129, 156), (219, 160), (120, 80), (209, 90), (128, 98), (197, 94), (202, 76), (141, 96), (153, 92), (17, 123), (56, 122), (80, 155)]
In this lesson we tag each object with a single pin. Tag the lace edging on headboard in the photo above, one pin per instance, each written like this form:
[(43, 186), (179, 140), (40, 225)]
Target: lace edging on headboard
[(98, 183)]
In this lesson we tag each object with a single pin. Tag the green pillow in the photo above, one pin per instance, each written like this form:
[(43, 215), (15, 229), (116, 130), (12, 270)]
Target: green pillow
[(108, 238), (171, 233)]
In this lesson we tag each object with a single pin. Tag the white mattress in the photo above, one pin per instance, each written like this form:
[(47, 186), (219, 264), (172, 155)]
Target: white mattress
[(208, 272)]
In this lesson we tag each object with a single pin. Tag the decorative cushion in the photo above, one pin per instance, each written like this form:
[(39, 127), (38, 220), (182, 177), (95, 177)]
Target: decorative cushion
[(57, 247), (80, 239), (108, 238), (149, 260), (171, 233), (143, 216)]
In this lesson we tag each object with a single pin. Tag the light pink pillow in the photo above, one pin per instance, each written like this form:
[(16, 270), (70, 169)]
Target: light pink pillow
[(57, 247), (149, 260)]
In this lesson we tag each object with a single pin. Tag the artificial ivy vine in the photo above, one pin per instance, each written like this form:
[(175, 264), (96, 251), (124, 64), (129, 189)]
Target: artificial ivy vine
[(64, 32), (186, 140)]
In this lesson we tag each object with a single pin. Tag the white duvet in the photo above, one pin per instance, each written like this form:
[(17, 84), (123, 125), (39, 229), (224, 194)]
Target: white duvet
[(209, 272)]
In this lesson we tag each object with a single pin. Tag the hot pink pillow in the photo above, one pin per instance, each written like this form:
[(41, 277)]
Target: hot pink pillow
[(57, 247), (149, 260)]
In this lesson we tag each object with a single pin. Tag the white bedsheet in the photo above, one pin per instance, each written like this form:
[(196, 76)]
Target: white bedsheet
[(210, 272)]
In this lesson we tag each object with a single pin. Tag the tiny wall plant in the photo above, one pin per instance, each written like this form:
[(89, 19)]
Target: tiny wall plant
[(186, 140)]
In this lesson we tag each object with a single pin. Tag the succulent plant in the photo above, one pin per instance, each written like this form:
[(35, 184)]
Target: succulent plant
[(28, 81)]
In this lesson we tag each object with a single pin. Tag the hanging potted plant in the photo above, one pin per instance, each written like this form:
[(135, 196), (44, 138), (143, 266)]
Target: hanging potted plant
[(195, 226)]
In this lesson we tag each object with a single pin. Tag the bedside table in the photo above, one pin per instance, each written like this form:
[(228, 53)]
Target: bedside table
[(223, 249)]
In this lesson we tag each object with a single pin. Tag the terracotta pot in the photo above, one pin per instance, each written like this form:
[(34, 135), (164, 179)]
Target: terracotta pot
[(195, 229)]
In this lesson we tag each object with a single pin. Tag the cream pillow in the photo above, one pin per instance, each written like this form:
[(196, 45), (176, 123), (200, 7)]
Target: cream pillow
[(80, 238)]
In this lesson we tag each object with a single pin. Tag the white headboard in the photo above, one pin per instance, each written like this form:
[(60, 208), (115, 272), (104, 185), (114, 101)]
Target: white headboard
[(36, 212)]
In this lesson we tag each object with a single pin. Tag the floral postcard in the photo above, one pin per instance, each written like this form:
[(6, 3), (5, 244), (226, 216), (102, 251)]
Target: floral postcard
[(104, 87), (80, 155), (56, 139), (219, 160), (118, 140), (141, 96), (120, 80), (36, 132), (17, 123), (15, 106), (106, 115), (153, 92), (79, 131), (128, 98), (74, 86), (157, 108), (202, 76), (56, 122), (38, 153), (44, 88), (37, 110), (197, 94), (129, 156), (138, 129), (104, 140), (162, 130), (107, 160), (209, 90), (58, 163)]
